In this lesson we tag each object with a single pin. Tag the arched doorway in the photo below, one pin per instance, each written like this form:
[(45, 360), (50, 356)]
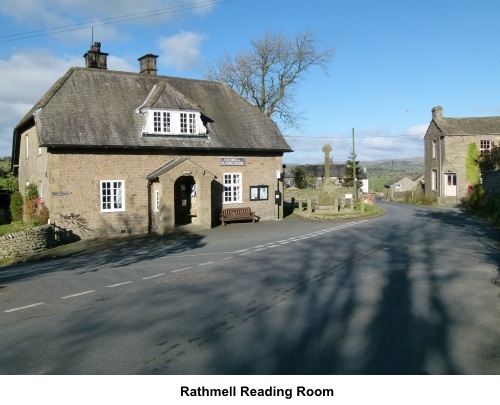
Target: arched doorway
[(183, 191)]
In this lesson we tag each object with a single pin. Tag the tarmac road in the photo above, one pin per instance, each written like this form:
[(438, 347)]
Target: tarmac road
[(410, 292)]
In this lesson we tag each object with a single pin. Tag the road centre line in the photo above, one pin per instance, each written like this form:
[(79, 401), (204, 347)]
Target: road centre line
[(156, 275), (77, 295), (119, 284), (185, 268), (27, 306), (242, 253), (259, 248)]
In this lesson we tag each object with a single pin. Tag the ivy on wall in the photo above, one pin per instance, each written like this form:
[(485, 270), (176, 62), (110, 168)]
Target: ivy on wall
[(472, 170)]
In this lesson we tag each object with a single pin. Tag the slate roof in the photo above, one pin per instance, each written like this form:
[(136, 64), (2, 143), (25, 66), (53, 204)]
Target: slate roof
[(469, 126), (89, 108)]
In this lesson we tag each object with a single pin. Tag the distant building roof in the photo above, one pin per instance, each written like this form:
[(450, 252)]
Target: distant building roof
[(465, 126)]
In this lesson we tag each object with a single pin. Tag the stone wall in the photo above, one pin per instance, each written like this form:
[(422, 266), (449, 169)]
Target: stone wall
[(28, 242), (491, 182), (338, 192)]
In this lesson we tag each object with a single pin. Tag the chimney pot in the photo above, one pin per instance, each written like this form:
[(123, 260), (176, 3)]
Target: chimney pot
[(96, 59), (148, 64), (437, 113)]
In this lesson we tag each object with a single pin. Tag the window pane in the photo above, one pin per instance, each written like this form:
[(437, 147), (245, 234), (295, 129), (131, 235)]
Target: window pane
[(192, 124), (183, 122), (112, 195), (117, 195)]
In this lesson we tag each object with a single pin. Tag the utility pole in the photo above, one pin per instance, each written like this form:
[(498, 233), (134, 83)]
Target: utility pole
[(355, 178), (392, 194)]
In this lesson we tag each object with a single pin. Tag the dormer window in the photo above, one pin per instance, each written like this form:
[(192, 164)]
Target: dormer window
[(163, 122), (188, 123)]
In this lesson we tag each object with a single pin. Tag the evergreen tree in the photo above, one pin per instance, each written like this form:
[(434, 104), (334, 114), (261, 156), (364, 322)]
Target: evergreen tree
[(300, 177), (348, 180)]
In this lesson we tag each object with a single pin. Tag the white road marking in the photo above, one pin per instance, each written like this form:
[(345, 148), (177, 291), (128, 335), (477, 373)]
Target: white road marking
[(185, 268), (78, 294), (27, 306), (242, 252), (156, 275), (119, 284)]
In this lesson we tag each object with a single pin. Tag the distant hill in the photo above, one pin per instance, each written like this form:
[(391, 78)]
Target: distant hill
[(378, 171), (418, 161), (405, 167)]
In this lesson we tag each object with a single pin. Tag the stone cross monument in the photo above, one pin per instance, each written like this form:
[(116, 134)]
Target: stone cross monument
[(327, 149)]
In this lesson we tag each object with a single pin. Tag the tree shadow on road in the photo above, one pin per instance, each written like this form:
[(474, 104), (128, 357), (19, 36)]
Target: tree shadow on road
[(363, 308), (91, 256)]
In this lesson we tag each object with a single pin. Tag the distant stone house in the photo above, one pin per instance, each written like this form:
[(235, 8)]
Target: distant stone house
[(446, 147), (115, 153), (400, 185)]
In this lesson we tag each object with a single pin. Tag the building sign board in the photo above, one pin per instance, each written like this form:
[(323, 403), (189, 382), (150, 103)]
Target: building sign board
[(233, 161)]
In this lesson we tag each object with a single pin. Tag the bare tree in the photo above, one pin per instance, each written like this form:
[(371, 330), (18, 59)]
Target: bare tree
[(268, 74)]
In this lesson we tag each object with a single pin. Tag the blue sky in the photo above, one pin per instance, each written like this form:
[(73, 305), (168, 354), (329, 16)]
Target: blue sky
[(394, 60)]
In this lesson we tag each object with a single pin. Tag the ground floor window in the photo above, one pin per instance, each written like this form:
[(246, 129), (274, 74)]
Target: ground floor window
[(434, 179), (112, 195), (232, 188)]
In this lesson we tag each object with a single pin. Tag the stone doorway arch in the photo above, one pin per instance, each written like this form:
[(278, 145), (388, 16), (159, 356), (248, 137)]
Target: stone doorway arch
[(184, 192)]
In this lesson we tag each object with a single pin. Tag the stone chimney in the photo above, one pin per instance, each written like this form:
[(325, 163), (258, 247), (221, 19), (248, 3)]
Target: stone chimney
[(437, 113), (96, 59), (148, 64)]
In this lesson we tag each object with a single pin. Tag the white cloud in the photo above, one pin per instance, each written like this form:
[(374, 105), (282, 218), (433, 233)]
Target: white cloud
[(75, 17), (181, 51), (374, 144), (50, 12), (26, 76), (419, 129)]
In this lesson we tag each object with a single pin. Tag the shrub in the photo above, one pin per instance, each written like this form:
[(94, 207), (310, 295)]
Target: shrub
[(16, 206), (418, 197), (475, 200), (35, 211), (31, 192)]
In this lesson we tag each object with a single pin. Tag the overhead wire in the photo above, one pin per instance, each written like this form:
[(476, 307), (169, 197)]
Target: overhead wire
[(346, 136), (107, 21)]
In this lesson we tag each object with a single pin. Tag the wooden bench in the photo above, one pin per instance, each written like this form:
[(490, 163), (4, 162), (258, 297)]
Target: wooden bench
[(237, 214)]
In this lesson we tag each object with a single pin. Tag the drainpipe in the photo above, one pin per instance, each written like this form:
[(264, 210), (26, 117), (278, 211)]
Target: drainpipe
[(440, 169), (150, 224)]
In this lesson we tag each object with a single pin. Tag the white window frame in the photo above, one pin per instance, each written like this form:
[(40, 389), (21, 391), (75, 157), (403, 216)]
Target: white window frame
[(157, 200), (171, 122), (162, 121), (434, 147), (434, 178), (114, 201), (485, 146), (233, 186)]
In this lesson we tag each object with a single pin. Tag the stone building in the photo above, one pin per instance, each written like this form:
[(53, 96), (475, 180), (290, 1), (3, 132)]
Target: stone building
[(117, 153), (446, 147), (401, 185)]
